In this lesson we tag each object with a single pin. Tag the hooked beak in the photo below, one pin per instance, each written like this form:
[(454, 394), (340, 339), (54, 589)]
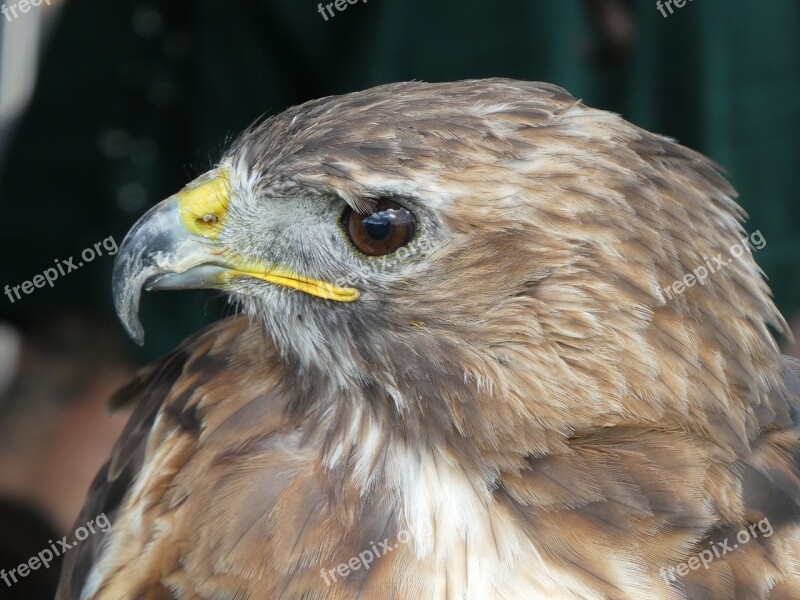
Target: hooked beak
[(176, 246)]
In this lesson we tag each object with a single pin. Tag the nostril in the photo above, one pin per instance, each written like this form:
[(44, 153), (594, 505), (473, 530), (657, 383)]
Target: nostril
[(207, 222)]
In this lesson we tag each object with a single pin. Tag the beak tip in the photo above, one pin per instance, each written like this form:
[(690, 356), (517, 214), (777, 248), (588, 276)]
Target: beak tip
[(127, 293), (130, 322), (135, 332)]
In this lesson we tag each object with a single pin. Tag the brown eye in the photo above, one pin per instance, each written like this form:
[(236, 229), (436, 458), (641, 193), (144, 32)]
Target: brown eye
[(383, 231)]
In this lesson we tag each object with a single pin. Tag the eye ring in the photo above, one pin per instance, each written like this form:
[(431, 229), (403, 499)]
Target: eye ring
[(384, 230)]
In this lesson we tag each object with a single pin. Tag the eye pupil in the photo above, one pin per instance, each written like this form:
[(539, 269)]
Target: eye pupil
[(383, 231), (378, 225)]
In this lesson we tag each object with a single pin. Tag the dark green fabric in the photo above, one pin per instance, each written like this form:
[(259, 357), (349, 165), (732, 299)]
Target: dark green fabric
[(722, 78)]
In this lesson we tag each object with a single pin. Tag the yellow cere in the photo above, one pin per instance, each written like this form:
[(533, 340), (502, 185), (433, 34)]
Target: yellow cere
[(204, 203)]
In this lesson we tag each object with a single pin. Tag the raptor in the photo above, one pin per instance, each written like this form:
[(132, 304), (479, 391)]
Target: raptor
[(508, 408)]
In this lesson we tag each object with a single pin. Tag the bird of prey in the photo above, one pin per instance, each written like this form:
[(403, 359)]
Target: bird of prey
[(474, 358)]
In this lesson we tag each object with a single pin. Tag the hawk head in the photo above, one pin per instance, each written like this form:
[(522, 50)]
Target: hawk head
[(484, 261)]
